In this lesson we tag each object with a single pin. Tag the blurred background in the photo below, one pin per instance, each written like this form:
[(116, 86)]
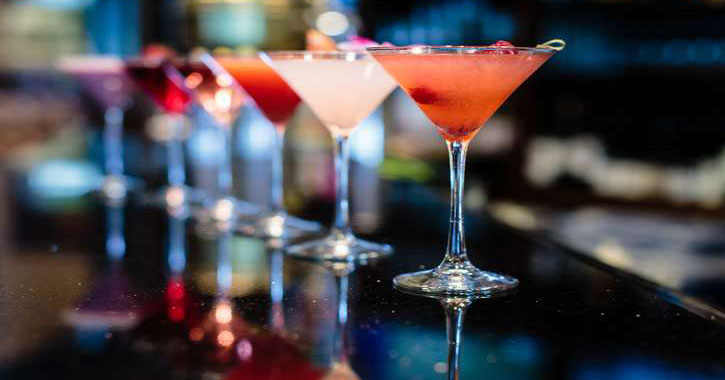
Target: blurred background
[(615, 148)]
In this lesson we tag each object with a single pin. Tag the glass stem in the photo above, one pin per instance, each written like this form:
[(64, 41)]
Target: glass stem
[(340, 345), (224, 265), (113, 141), (276, 195), (456, 250), (341, 228), (455, 309), (176, 174), (225, 171)]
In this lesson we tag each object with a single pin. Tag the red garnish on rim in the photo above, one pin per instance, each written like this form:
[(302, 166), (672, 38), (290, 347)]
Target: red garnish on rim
[(159, 51), (424, 95), (502, 47), (358, 44)]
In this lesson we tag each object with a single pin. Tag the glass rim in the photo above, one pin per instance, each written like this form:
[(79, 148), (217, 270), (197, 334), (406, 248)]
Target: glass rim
[(236, 54), (145, 60), (301, 54), (455, 49), (95, 61)]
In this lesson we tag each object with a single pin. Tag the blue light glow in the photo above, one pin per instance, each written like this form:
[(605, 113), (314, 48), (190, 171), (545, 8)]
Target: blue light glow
[(63, 178), (206, 146), (368, 145), (637, 369)]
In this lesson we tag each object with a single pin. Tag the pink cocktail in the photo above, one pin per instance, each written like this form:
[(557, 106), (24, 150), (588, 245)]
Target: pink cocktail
[(104, 78), (459, 88)]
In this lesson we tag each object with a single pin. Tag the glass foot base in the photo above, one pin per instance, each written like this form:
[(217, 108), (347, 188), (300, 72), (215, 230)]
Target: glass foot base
[(457, 281), (115, 188), (222, 215), (278, 226), (177, 199), (331, 248)]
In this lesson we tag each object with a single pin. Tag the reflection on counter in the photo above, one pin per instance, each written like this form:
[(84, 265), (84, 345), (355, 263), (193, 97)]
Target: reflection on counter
[(611, 163), (235, 307), (111, 304)]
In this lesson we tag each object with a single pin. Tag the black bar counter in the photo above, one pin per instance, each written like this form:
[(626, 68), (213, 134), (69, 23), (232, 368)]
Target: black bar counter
[(76, 305)]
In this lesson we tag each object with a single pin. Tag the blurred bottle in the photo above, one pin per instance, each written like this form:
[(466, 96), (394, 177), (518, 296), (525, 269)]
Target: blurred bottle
[(229, 23), (114, 27)]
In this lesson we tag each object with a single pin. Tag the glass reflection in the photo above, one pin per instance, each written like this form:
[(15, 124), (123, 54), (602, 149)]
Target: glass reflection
[(229, 338), (276, 290), (455, 310), (340, 368), (222, 327), (111, 303), (332, 351), (176, 297), (115, 240), (175, 308)]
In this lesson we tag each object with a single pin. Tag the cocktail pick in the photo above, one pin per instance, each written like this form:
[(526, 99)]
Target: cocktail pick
[(556, 44)]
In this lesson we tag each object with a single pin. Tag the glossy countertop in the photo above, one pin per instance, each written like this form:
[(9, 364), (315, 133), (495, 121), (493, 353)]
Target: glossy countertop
[(131, 292)]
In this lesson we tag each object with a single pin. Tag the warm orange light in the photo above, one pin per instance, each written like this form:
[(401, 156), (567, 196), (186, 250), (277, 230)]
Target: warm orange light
[(193, 80), (223, 313), (196, 334), (225, 338)]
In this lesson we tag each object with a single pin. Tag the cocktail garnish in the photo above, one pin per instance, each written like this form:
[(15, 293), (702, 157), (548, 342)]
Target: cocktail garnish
[(358, 44), (158, 51), (555, 44), (423, 95), (316, 41), (502, 47)]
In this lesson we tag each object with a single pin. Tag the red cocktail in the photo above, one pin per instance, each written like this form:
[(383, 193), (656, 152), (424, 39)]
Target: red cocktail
[(165, 85), (277, 101), (161, 84)]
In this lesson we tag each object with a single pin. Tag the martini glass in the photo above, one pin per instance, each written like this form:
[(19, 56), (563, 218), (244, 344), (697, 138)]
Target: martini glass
[(342, 88), (277, 101), (459, 88), (103, 77), (217, 93), (165, 85)]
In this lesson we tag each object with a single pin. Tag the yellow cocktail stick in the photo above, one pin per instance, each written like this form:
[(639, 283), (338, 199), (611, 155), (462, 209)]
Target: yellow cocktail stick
[(556, 44)]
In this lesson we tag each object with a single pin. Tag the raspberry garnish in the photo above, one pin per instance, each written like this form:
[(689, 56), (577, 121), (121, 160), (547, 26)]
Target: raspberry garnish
[(424, 95), (502, 43), (358, 44), (158, 51), (502, 47)]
